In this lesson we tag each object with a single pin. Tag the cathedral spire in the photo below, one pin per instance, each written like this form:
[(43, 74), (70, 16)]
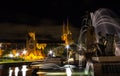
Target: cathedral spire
[(67, 26), (63, 29), (67, 35)]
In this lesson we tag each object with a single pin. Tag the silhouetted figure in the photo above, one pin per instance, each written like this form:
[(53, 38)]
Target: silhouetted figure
[(101, 45), (110, 49)]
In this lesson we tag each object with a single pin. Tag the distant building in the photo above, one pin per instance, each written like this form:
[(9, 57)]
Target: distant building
[(67, 35)]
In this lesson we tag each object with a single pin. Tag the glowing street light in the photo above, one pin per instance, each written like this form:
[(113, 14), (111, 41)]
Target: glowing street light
[(17, 54), (50, 52), (67, 46), (24, 52), (11, 55)]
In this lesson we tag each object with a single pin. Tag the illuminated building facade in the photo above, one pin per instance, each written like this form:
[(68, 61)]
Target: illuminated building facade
[(34, 49)]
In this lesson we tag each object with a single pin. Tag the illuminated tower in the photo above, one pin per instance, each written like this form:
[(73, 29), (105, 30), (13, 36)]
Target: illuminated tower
[(67, 35), (31, 42)]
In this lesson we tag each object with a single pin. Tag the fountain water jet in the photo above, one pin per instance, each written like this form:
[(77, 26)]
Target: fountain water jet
[(106, 21)]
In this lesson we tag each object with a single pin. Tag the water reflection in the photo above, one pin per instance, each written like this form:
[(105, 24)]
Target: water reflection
[(24, 69), (10, 71), (68, 71), (60, 73), (65, 70), (16, 71), (52, 70)]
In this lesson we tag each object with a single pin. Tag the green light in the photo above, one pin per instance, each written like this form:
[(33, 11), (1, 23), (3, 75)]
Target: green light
[(64, 74)]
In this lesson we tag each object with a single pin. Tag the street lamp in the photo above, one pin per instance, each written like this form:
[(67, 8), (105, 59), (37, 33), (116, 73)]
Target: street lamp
[(67, 47), (50, 53)]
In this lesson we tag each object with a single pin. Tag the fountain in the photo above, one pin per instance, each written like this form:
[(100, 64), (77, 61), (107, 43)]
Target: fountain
[(99, 35), (106, 22), (101, 21)]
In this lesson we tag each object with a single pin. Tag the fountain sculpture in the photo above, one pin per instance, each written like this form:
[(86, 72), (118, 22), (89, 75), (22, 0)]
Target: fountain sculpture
[(99, 37), (100, 24)]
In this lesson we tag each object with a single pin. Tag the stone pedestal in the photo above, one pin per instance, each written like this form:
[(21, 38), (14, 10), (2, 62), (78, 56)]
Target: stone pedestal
[(106, 66)]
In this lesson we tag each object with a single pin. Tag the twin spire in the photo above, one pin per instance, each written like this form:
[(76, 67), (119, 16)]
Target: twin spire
[(66, 28), (66, 34)]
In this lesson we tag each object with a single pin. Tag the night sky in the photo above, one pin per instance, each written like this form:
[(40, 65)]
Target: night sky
[(45, 17)]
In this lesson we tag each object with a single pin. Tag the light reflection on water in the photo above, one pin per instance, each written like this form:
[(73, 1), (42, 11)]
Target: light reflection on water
[(10, 72), (51, 69), (47, 72), (62, 74), (16, 70), (76, 72), (55, 72)]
